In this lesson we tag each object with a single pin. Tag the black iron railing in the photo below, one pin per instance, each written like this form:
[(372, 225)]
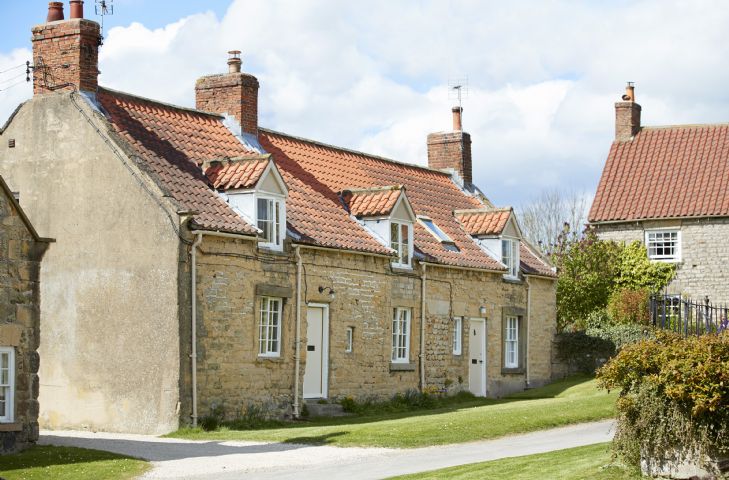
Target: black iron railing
[(688, 317)]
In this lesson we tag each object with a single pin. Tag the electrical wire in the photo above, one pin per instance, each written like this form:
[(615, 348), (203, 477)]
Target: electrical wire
[(12, 78), (12, 68), (11, 86)]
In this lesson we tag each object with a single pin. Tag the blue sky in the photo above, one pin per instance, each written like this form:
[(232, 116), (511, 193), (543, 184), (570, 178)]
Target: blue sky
[(543, 75)]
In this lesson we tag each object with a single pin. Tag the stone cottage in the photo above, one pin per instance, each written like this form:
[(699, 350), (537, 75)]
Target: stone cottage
[(204, 261), (21, 250), (668, 187)]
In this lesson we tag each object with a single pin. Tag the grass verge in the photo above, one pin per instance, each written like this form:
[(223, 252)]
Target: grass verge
[(68, 463), (593, 462), (574, 400)]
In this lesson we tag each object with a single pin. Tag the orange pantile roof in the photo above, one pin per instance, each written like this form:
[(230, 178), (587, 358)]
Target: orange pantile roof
[(236, 172), (374, 201), (484, 222), (176, 143), (325, 170), (173, 142), (665, 172)]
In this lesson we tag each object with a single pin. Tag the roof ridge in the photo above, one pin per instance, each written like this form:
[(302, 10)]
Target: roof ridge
[(685, 125), (355, 152), (484, 210), (157, 102)]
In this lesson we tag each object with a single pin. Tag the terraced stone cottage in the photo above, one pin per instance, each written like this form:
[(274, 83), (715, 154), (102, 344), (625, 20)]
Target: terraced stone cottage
[(203, 260)]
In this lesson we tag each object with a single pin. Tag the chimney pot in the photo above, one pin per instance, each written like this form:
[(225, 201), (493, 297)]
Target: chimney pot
[(234, 61), (77, 8), (457, 119), (55, 11)]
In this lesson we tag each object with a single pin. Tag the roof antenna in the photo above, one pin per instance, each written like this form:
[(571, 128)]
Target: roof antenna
[(103, 8), (457, 89)]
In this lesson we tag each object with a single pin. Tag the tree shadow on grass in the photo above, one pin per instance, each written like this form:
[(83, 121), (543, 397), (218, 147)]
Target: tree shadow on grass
[(41, 456), (315, 440)]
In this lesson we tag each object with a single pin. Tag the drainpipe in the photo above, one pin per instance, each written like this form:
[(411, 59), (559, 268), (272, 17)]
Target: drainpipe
[(528, 329), (297, 354), (422, 329), (193, 355)]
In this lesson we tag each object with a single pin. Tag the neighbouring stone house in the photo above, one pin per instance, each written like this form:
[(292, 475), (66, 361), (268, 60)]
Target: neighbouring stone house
[(668, 187), (21, 250), (202, 260)]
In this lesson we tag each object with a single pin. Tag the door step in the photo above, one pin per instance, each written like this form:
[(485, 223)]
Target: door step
[(317, 409)]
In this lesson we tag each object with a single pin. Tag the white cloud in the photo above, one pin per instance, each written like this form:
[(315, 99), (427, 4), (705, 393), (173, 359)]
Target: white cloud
[(543, 75), (13, 88)]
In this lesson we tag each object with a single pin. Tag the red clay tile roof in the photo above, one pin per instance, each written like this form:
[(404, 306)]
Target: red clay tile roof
[(172, 142), (374, 202), (236, 173), (665, 172), (175, 142), (532, 264), (325, 170), (484, 222)]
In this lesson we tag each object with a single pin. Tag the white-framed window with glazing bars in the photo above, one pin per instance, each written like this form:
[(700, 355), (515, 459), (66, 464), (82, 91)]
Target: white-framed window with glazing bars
[(269, 327)]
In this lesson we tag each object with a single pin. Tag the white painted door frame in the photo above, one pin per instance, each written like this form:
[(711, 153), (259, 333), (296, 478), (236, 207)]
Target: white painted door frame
[(480, 323), (324, 348)]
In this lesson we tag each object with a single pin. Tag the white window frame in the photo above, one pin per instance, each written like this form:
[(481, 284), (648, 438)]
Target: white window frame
[(511, 342), (9, 385), (270, 323), (511, 261), (276, 204), (676, 257), (457, 335), (399, 246), (401, 335), (349, 340)]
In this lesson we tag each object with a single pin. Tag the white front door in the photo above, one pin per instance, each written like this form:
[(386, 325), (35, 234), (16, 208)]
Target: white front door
[(477, 357), (317, 355)]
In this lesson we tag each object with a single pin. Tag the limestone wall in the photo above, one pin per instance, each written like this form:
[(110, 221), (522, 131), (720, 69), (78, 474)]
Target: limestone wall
[(231, 373), (704, 266)]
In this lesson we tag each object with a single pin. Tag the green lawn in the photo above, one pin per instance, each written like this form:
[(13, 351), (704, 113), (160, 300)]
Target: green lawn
[(67, 463), (581, 463), (570, 401)]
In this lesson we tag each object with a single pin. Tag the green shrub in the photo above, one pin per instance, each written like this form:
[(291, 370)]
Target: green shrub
[(251, 417), (213, 419), (629, 305), (674, 392), (406, 401), (636, 271), (621, 334), (583, 352)]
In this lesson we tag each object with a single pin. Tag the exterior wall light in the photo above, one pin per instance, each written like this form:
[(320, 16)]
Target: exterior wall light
[(330, 291), (482, 310)]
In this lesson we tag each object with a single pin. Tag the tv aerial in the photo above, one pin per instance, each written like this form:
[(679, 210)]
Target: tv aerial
[(103, 8), (458, 89)]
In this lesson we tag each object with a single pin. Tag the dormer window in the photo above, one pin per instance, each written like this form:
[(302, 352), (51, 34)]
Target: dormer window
[(401, 240), (255, 190), (269, 213), (510, 257)]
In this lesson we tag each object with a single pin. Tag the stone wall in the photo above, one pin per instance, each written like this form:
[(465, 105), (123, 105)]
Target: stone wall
[(704, 266), (367, 290), (20, 255)]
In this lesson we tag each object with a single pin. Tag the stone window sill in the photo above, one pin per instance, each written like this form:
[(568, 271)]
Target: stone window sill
[(402, 367), (11, 427), (512, 371)]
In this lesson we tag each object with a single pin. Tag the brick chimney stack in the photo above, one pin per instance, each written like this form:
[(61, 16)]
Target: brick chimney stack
[(233, 93), (452, 150), (627, 116), (66, 52)]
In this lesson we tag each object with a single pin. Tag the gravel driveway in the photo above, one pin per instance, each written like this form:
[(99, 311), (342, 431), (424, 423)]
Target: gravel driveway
[(213, 460)]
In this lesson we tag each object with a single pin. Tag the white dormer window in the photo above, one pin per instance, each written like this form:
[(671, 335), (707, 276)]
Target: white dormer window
[(269, 219), (401, 240), (510, 257)]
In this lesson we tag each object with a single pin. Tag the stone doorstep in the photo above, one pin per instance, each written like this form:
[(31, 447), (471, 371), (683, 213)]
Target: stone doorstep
[(317, 409)]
